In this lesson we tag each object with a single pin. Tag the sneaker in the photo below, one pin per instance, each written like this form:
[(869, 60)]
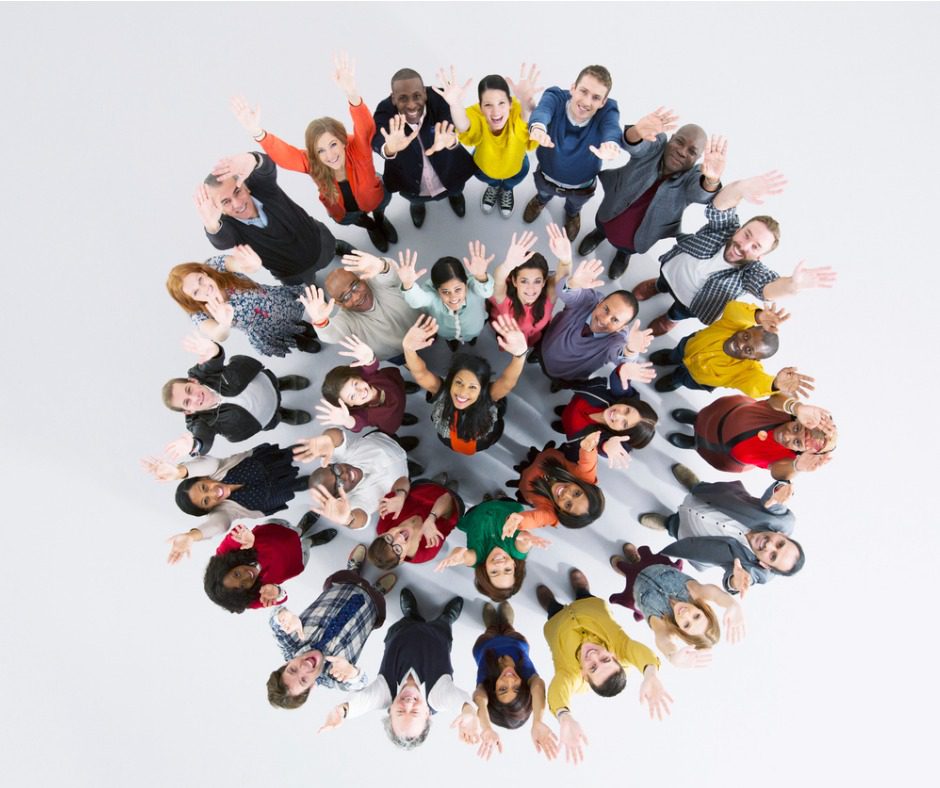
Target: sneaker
[(385, 583), (653, 521), (662, 325), (591, 241), (532, 210), (293, 383), (458, 204), (506, 203), (356, 558), (685, 476), (294, 417), (488, 202), (418, 212), (572, 226), (645, 290)]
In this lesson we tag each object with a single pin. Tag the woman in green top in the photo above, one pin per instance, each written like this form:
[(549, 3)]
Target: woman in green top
[(498, 561)]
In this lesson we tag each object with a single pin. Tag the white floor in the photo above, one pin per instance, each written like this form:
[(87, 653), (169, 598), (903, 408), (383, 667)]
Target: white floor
[(117, 670)]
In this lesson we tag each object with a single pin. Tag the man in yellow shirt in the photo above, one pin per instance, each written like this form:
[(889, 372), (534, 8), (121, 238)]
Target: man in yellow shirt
[(728, 354), (589, 649)]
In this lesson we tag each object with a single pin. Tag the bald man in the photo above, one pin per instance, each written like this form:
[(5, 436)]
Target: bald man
[(644, 200), (367, 291)]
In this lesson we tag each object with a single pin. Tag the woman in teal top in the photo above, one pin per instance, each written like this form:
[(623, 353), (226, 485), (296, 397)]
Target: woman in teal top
[(498, 561)]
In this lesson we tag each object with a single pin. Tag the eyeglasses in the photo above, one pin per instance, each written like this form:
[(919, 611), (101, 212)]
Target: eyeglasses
[(355, 287), (338, 475), (390, 541)]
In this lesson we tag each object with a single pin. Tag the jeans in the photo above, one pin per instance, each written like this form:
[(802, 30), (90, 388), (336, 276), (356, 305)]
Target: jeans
[(506, 184), (681, 374), (574, 198)]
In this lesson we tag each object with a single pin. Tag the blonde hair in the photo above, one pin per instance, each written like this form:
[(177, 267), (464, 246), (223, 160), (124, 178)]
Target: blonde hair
[(322, 175)]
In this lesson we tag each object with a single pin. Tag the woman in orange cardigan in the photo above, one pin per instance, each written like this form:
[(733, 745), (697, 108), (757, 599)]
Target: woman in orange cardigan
[(340, 165)]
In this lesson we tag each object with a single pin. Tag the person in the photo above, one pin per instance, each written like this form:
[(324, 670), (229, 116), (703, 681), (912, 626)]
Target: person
[(577, 130), (591, 330), (737, 433), (524, 289), (721, 524), (498, 561), (217, 301), (496, 129), (644, 200), (416, 680), (509, 689), (589, 649), (240, 202), (612, 409), (371, 305), (675, 606), (456, 302), (356, 474), (558, 490), (341, 166), (362, 395), (424, 162), (249, 566), (467, 409), (322, 645), (414, 525), (704, 271), (247, 485), (728, 354), (235, 400)]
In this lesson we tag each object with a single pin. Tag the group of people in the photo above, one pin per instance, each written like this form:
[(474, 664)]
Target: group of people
[(382, 312)]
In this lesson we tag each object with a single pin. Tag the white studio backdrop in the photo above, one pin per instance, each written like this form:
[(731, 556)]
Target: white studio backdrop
[(117, 671)]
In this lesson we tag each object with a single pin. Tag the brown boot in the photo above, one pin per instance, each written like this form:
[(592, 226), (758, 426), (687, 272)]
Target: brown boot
[(662, 325), (545, 596), (532, 210), (506, 613), (578, 580), (572, 226), (645, 290), (489, 615)]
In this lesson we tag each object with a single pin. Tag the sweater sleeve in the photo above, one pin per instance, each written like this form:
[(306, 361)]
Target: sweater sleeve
[(610, 130), (634, 652), (284, 155), (563, 685), (587, 466), (363, 128), (418, 296), (547, 107)]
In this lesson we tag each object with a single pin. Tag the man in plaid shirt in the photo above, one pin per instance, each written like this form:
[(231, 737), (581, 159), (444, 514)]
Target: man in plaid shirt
[(706, 271), (321, 645)]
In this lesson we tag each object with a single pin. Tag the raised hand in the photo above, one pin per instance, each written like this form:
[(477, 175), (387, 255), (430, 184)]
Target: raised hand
[(239, 166), (244, 260), (807, 463), (641, 371), (489, 741), (589, 442), (545, 740), (690, 657), (806, 278), (244, 536), (454, 559), (527, 87), (268, 594), (771, 316), (540, 135), (740, 577), (290, 623), (344, 76), (638, 340), (617, 456), (334, 719), (468, 727), (714, 160), (512, 524), (320, 447), (181, 447), (317, 308), (587, 275), (659, 121), (179, 547), (332, 507), (405, 268), (161, 470), (342, 669), (421, 334), (222, 312), (248, 117), (397, 137), (755, 189), (337, 415), (793, 384), (445, 137), (357, 349), (431, 533), (200, 346), (520, 250), (572, 738), (781, 494), (209, 212), (363, 264), (478, 262), (653, 694), (451, 92), (526, 540), (391, 507), (812, 416), (558, 242), (607, 151), (733, 623), (509, 336)]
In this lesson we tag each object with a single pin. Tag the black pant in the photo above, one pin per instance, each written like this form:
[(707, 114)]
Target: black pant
[(556, 607)]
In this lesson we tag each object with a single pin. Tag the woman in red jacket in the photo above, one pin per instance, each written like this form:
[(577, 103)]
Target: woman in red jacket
[(340, 165)]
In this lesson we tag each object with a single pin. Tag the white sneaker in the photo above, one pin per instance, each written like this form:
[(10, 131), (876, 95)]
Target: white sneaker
[(488, 203), (506, 203)]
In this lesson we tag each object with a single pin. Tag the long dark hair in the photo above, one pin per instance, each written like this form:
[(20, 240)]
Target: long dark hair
[(476, 421), (538, 262), (640, 434), (235, 600), (506, 715), (553, 472), (483, 584), (493, 82), (335, 380), (445, 269), (183, 500)]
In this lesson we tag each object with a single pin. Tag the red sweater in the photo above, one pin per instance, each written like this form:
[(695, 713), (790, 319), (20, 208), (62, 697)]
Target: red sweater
[(419, 502), (279, 554)]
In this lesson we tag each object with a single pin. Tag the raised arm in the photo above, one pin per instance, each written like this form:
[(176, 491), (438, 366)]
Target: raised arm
[(543, 737), (519, 251), (526, 89), (754, 190), (344, 76), (510, 338), (802, 278), (733, 623), (419, 336), (561, 247), (452, 92)]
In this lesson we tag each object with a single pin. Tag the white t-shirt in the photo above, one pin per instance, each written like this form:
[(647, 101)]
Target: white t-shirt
[(687, 274), (382, 462)]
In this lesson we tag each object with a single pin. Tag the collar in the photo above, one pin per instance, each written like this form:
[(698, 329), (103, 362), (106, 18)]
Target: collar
[(571, 120)]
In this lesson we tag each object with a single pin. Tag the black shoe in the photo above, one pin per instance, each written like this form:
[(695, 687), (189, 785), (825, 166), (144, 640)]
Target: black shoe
[(684, 415), (307, 522), (294, 417), (321, 538), (453, 344), (308, 344), (680, 440), (418, 212), (388, 230), (409, 605), (343, 248), (415, 469), (293, 383), (558, 426), (411, 387), (408, 420), (452, 610), (545, 596), (532, 358), (379, 241), (557, 385), (458, 204), (408, 442), (618, 266), (666, 383), (591, 241), (301, 484), (559, 409), (661, 358)]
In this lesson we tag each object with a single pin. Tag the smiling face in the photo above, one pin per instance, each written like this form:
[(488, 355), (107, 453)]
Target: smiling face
[(331, 151), (344, 474), (689, 618), (192, 397), (409, 97), (199, 287), (773, 550), (465, 389), (508, 681), (356, 393), (300, 674), (597, 663), (588, 95), (570, 498), (749, 243), (621, 417), (207, 494), (610, 315), (795, 437), (453, 294), (529, 284), (234, 199), (241, 578), (495, 106), (683, 149), (748, 343), (500, 568), (409, 712), (349, 291)]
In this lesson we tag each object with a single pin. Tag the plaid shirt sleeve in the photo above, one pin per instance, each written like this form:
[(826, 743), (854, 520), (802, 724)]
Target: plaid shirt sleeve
[(710, 238), (756, 277), (286, 643)]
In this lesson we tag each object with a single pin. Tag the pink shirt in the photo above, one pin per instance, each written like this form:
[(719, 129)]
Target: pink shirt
[(531, 329)]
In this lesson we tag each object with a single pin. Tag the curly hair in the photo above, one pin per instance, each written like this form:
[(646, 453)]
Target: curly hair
[(553, 472), (323, 176), (224, 280), (506, 715), (540, 264), (483, 584), (235, 600)]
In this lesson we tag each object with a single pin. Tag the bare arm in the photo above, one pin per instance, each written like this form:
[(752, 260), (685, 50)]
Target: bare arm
[(421, 335), (508, 380)]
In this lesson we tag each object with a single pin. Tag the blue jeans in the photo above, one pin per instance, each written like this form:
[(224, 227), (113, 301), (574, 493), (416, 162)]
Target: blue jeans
[(506, 184), (574, 198), (681, 374)]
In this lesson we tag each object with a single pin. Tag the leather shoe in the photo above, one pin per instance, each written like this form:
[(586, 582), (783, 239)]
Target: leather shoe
[(379, 241), (685, 476), (646, 289), (572, 226), (388, 229), (289, 416), (558, 426), (666, 383), (661, 358), (662, 325), (506, 613), (544, 596), (591, 241), (411, 387), (489, 615), (618, 266), (684, 415), (458, 204), (418, 212), (653, 521), (323, 537), (408, 442), (532, 210), (578, 580), (408, 603), (293, 383), (408, 420), (680, 440), (560, 409), (343, 248), (452, 610), (307, 522)]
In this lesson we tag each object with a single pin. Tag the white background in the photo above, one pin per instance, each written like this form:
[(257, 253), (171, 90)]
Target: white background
[(116, 670)]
